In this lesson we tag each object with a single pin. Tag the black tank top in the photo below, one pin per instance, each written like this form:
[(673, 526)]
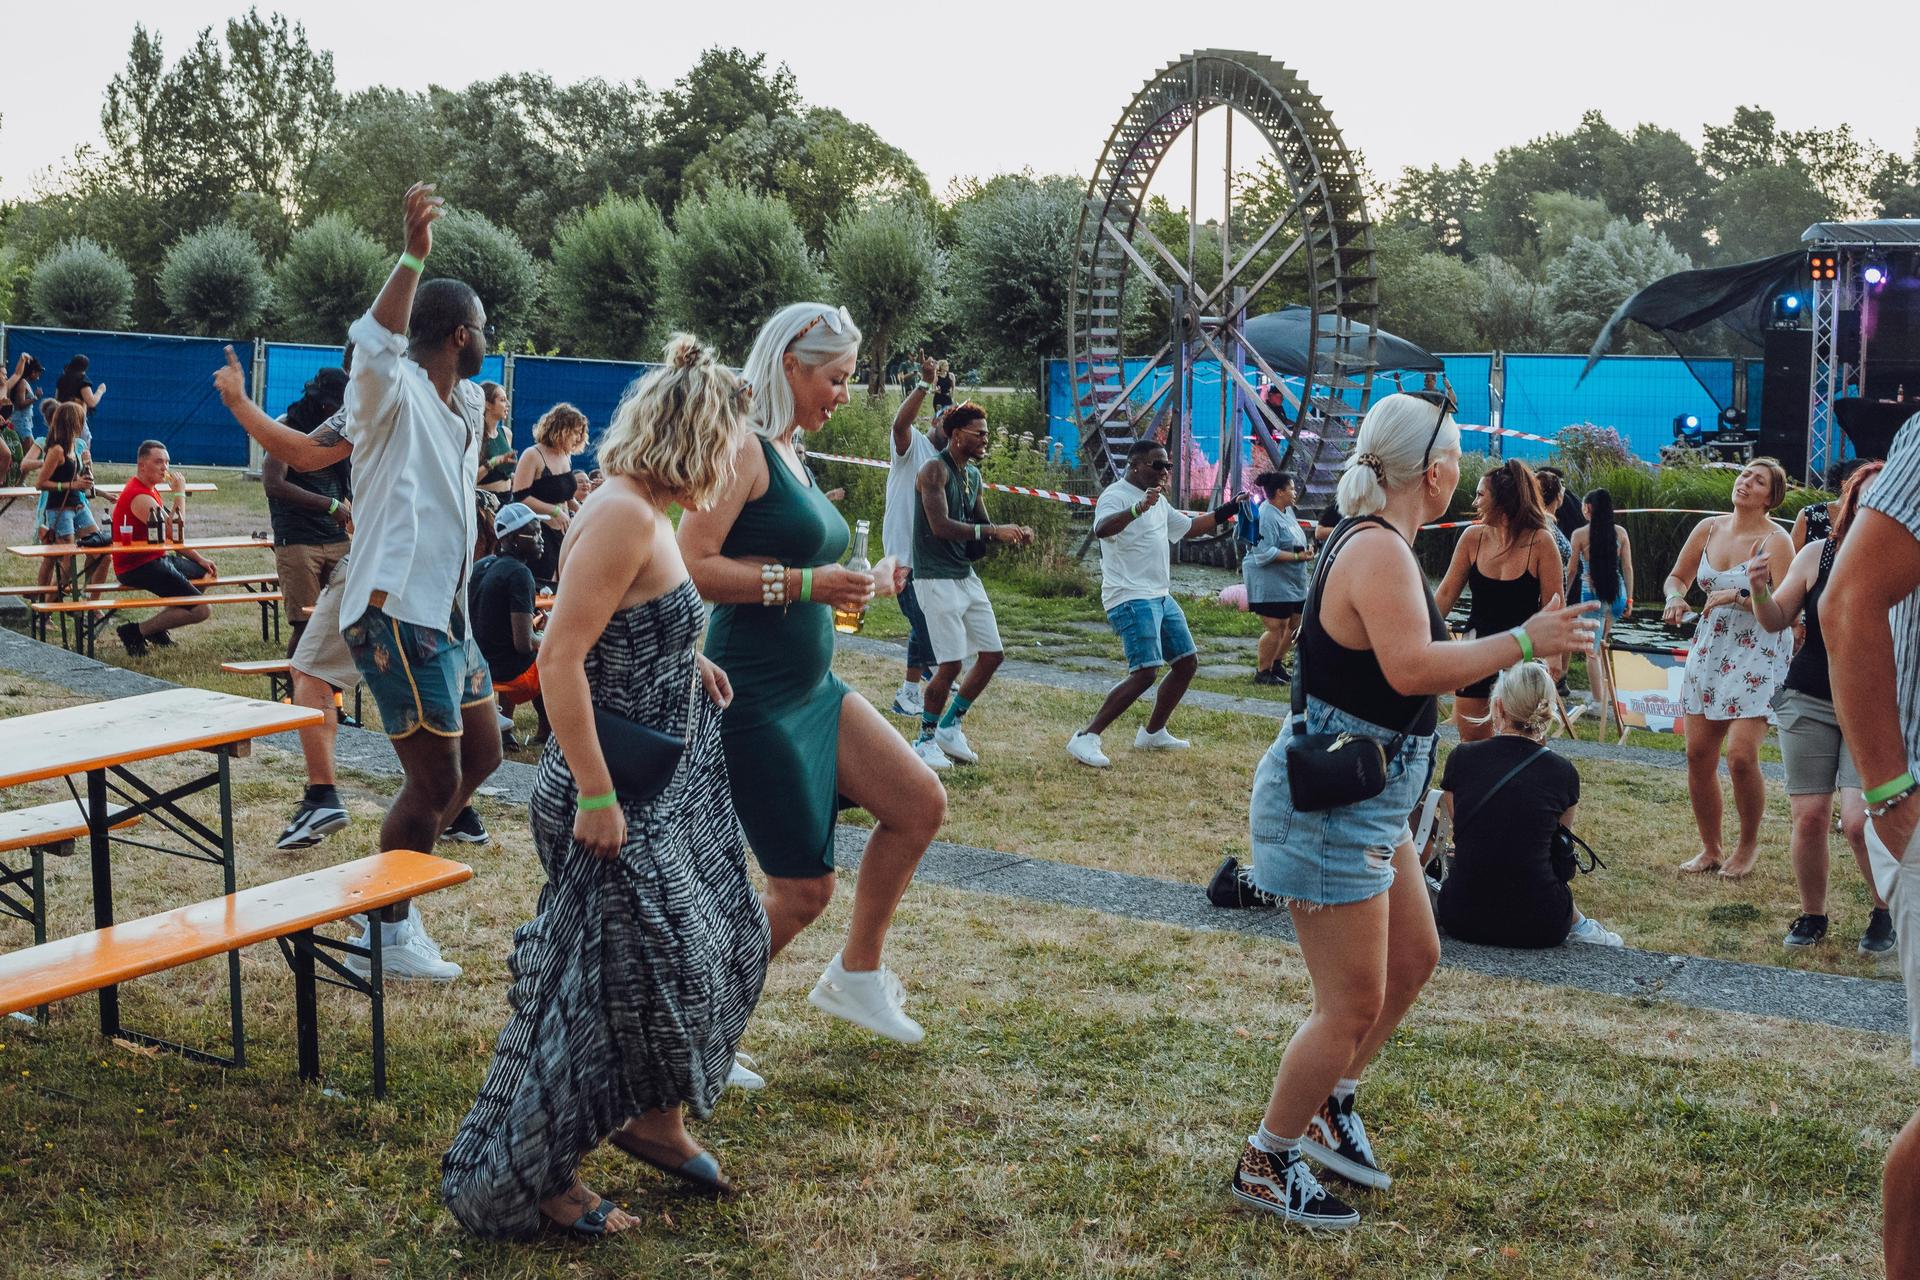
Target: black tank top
[(1809, 673), (1351, 679), (549, 486), (67, 473), (1500, 604)]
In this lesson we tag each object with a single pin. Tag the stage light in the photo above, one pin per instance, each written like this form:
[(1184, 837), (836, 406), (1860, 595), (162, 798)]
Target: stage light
[(1686, 427), (1823, 265), (1786, 311), (1791, 302), (1874, 275)]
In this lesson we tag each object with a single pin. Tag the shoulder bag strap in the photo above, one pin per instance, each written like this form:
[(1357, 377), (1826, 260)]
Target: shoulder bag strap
[(1511, 774), (1311, 611)]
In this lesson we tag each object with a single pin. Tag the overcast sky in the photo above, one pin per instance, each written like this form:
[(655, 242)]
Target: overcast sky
[(990, 86)]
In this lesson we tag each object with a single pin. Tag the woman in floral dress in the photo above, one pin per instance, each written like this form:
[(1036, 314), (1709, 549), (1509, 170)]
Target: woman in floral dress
[(1735, 665)]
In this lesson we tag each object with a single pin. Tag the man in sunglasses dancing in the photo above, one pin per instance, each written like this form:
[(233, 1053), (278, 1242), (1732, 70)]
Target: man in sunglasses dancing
[(1136, 526)]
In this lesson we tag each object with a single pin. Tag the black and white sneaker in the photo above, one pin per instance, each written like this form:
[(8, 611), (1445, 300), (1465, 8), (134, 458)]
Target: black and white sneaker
[(1284, 1185), (1806, 930), (466, 828), (1232, 888), (311, 823), (1338, 1140), (1879, 935)]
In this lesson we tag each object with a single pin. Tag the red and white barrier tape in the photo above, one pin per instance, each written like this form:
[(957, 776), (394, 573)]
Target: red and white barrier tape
[(1051, 495)]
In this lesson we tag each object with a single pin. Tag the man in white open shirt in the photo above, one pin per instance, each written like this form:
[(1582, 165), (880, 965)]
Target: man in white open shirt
[(912, 450), (1137, 527), (1870, 615)]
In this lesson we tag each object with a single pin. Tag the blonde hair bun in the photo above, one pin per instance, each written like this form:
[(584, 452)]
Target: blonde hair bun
[(683, 351)]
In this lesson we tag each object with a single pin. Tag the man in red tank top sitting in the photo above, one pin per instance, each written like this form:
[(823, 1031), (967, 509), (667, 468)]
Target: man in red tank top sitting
[(165, 574)]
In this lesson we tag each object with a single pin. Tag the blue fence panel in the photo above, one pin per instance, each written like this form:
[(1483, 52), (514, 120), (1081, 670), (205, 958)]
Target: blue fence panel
[(1638, 396), (157, 388), (291, 365), (592, 386)]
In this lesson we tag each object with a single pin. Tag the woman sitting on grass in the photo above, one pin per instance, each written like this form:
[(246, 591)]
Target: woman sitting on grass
[(1508, 796)]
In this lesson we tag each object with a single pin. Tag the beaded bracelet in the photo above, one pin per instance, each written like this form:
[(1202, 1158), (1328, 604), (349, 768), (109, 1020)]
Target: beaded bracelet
[(773, 585)]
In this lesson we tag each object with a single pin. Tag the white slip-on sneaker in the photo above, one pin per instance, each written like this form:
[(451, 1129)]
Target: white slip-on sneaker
[(1085, 747), (1161, 741), (871, 1000), (929, 751), (907, 701), (952, 739), (743, 1076), (1594, 933), (409, 954)]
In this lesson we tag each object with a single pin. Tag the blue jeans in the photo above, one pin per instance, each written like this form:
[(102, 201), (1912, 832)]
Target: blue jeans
[(1152, 632), (919, 648), (1330, 857)]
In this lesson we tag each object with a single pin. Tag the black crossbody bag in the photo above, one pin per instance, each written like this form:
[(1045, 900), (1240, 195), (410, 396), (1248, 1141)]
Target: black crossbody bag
[(641, 759), (1328, 770)]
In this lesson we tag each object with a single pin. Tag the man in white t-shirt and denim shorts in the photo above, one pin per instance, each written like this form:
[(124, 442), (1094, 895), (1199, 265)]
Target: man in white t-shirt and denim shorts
[(912, 450), (1137, 526), (1870, 615)]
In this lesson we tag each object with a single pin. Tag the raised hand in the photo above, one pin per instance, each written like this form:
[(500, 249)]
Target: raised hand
[(929, 367), (423, 209), (231, 381)]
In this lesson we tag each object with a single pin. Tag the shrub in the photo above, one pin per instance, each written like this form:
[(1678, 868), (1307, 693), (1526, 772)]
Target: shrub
[(736, 259), (214, 281), (490, 259), (81, 286), (330, 274), (885, 269), (1585, 447), (605, 281)]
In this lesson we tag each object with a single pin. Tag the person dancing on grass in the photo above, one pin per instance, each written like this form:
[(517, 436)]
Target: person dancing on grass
[(1870, 611), (1734, 665), (1601, 568), (1374, 651), (1816, 756), (633, 983), (797, 739)]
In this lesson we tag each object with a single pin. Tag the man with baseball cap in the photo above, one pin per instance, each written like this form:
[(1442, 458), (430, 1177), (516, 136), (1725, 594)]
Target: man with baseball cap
[(500, 601)]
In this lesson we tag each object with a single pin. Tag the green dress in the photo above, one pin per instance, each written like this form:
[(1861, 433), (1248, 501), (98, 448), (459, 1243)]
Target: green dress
[(781, 734)]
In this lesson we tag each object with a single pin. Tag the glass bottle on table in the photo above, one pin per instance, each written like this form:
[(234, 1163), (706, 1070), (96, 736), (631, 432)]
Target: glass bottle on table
[(848, 617)]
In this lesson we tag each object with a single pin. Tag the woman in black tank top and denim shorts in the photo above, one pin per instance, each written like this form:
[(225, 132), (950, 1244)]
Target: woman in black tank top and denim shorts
[(1512, 533), (1817, 760), (1373, 654)]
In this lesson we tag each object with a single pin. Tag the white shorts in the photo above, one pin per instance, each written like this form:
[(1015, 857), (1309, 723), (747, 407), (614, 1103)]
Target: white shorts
[(1903, 901), (959, 617), (322, 651)]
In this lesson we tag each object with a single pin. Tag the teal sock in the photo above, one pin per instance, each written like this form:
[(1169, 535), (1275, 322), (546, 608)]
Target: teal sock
[(929, 721), (955, 709)]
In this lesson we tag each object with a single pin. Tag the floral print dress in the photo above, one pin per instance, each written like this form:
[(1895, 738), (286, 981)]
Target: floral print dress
[(1735, 664)]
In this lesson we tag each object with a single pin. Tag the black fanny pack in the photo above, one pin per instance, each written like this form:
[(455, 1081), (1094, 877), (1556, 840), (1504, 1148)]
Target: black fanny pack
[(1328, 770)]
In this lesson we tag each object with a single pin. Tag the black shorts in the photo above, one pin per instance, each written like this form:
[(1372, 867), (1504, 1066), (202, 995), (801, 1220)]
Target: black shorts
[(1277, 609), (167, 576)]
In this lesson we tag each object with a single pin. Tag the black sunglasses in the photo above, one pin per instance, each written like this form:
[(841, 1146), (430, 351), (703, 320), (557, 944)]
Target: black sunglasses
[(1447, 404), (1159, 466)]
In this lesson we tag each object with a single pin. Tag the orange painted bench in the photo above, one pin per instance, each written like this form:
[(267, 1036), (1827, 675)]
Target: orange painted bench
[(92, 615), (285, 911), (279, 675), (43, 829)]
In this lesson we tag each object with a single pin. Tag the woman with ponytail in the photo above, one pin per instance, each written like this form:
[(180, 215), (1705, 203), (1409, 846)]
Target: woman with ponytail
[(1373, 653), (1601, 568), (1501, 889)]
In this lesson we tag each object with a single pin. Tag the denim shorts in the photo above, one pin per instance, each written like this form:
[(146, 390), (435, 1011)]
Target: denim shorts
[(1152, 632), (420, 678), (919, 648), (1334, 856)]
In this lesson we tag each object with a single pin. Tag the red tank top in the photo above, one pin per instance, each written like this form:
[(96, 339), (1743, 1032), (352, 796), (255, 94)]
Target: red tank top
[(129, 529)]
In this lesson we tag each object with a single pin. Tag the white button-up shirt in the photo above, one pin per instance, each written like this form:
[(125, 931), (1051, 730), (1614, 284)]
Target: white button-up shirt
[(414, 460)]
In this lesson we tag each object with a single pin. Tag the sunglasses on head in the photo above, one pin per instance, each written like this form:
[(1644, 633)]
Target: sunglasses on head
[(1443, 399), (837, 320)]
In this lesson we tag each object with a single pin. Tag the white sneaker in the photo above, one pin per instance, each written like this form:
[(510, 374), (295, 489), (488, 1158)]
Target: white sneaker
[(952, 739), (1594, 933), (929, 751), (871, 1000), (1161, 741), (1085, 747), (410, 953), (743, 1076), (907, 702)]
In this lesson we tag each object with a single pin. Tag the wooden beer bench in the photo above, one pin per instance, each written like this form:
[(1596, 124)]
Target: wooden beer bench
[(279, 674), (91, 617), (285, 911)]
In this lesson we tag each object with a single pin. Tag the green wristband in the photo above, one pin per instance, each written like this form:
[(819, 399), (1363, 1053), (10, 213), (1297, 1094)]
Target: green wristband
[(1888, 789), (806, 586), (1526, 645), (1762, 596), (333, 505), (587, 804), (413, 264)]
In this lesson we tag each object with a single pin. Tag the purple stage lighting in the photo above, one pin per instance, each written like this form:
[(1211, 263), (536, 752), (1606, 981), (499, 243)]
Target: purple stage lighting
[(1874, 275)]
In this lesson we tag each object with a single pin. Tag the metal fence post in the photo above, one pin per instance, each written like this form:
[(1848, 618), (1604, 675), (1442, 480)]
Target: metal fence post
[(1496, 400), (256, 457), (506, 384)]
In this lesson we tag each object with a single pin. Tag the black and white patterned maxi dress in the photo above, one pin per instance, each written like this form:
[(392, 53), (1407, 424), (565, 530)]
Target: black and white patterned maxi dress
[(635, 980)]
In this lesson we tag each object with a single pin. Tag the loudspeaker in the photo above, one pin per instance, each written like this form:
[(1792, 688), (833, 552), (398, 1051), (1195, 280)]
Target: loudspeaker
[(1783, 398)]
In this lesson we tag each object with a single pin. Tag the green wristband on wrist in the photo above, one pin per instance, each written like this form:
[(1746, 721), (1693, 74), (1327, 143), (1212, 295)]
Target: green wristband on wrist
[(1888, 789), (1526, 645), (806, 586), (1762, 596), (333, 505), (1134, 511), (413, 264), (587, 804)]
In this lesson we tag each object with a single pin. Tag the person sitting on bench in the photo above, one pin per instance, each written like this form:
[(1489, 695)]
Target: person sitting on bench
[(165, 574), (501, 601)]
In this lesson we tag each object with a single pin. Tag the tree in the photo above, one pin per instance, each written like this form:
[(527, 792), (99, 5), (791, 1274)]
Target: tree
[(606, 277), (1764, 210), (494, 263), (1011, 268), (328, 276), (215, 282), (736, 258), (1896, 185), (1444, 203), (80, 285), (822, 163), (1515, 314), (724, 93), (886, 272), (1561, 216), (1594, 276), (1427, 297), (386, 141)]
